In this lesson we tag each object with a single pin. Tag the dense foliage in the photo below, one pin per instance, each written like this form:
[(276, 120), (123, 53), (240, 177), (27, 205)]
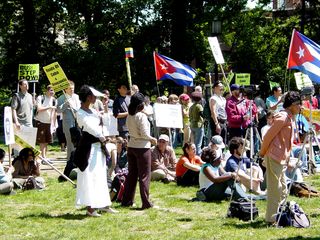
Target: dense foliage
[(88, 37)]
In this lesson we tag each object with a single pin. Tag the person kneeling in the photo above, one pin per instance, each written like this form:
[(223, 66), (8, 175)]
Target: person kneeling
[(215, 183)]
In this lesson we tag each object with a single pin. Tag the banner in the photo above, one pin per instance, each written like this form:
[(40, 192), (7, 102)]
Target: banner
[(302, 80), (26, 138), (216, 51), (56, 76), (30, 72), (168, 115), (315, 114), (8, 126), (243, 79), (110, 124)]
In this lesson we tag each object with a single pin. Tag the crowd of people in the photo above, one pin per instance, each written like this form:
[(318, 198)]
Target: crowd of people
[(222, 167)]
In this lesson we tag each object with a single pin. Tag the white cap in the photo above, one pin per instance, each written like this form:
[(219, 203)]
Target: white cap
[(96, 92)]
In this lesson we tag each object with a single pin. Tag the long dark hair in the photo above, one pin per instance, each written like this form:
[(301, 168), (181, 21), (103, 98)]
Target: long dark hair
[(23, 155), (136, 103), (186, 146)]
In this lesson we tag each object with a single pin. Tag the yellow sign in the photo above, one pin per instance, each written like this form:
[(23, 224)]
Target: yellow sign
[(230, 77), (315, 114), (243, 79), (24, 144), (56, 76), (30, 72)]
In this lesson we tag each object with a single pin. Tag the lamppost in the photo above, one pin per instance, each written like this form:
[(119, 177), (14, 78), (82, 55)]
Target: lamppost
[(216, 31)]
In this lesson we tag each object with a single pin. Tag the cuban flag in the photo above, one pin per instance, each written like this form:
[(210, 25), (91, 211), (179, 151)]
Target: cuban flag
[(167, 68), (304, 55)]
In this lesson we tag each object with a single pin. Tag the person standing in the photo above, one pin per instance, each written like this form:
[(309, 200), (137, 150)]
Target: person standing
[(275, 101), (139, 153), (92, 186), (120, 110), (22, 106), (46, 120), (217, 105), (275, 149), (68, 105)]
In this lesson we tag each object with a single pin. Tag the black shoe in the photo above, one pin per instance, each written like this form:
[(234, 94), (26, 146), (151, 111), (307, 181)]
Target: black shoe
[(61, 179)]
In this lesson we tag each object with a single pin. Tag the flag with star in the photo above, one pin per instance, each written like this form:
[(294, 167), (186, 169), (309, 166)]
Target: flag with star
[(304, 55), (167, 68)]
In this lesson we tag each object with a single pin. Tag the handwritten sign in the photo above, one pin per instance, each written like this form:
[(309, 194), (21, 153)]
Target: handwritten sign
[(29, 72), (243, 79), (56, 76)]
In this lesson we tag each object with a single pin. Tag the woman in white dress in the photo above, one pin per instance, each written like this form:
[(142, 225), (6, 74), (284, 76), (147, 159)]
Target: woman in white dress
[(92, 187)]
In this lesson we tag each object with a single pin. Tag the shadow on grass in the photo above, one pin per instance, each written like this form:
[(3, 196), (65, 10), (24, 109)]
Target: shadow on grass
[(66, 216), (254, 224), (184, 219), (298, 237)]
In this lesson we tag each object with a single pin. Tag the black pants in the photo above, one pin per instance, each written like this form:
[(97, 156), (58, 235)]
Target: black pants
[(190, 178)]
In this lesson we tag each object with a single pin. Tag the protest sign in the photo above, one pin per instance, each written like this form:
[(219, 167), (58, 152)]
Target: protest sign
[(109, 124), (8, 126), (216, 50), (56, 76), (243, 79), (273, 84), (168, 115), (26, 138), (302, 80), (29, 72)]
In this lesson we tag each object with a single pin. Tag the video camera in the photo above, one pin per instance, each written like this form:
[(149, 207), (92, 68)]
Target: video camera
[(249, 90)]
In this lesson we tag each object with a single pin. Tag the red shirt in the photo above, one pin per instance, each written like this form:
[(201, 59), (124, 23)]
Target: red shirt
[(181, 169)]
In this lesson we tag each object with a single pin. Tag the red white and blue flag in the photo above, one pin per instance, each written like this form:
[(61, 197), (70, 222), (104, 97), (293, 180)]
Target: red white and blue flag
[(304, 55), (167, 68)]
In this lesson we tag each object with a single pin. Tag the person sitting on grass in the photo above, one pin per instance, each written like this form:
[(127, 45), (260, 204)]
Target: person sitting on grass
[(188, 166), (215, 183), (163, 161), (237, 161), (6, 184), (25, 165)]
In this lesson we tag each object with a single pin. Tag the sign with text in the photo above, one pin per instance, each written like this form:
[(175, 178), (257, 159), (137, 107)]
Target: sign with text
[(56, 76), (302, 80), (29, 72), (243, 79), (216, 50), (168, 115), (8, 126)]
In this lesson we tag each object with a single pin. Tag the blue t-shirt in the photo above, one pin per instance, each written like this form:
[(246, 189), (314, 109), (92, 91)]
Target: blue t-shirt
[(271, 101), (233, 163)]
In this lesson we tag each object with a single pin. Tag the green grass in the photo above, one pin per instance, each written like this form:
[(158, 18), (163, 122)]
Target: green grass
[(51, 214)]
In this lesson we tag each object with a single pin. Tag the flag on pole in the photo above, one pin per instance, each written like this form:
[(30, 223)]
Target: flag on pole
[(129, 52), (167, 68), (304, 55)]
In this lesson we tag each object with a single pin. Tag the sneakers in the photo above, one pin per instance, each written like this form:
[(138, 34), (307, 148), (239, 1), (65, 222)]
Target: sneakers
[(93, 214), (108, 210), (46, 161)]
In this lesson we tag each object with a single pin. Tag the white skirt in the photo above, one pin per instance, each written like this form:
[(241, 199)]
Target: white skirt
[(92, 186)]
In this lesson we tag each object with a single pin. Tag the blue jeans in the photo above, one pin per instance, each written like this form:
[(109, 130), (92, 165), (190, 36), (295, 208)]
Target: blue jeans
[(197, 135)]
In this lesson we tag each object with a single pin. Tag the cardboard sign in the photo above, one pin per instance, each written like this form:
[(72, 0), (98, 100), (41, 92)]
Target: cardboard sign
[(26, 138), (8, 126), (56, 76), (243, 79), (30, 72), (110, 124), (216, 51), (302, 80), (168, 115)]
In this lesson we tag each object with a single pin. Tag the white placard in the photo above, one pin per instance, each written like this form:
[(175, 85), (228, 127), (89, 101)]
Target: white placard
[(28, 135), (110, 124), (302, 80), (216, 51), (168, 115), (8, 126)]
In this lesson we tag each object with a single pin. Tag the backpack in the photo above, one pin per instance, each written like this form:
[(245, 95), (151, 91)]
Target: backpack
[(42, 97), (32, 183), (117, 186), (241, 209), (292, 215)]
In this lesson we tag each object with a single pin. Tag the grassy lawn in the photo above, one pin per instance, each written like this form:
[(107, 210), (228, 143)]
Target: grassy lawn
[(51, 214)]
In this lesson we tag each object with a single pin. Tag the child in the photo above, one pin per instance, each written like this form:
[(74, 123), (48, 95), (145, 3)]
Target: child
[(6, 184)]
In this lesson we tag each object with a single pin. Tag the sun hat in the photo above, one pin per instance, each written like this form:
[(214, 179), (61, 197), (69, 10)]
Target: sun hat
[(217, 140)]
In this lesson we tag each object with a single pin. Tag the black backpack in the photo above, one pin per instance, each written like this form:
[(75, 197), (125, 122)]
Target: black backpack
[(292, 215), (241, 209)]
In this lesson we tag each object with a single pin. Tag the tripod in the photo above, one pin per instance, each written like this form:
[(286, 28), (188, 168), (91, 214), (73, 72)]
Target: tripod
[(249, 133)]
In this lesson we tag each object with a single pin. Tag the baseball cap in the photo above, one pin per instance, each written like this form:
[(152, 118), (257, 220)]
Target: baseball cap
[(164, 137), (217, 140), (184, 97), (234, 87)]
